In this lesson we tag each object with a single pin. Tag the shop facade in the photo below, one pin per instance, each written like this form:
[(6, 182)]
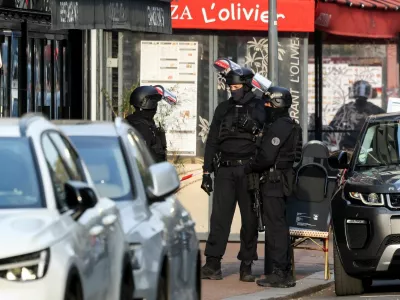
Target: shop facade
[(351, 42), (33, 61), (202, 32)]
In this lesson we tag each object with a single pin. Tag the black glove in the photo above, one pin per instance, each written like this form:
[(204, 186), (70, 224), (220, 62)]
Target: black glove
[(207, 183), (248, 124)]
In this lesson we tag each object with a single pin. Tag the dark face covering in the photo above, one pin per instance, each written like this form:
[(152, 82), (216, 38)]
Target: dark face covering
[(148, 114), (272, 113), (361, 102), (238, 94)]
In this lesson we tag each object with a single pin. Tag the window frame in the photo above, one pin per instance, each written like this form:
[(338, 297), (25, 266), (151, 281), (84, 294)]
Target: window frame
[(62, 209)]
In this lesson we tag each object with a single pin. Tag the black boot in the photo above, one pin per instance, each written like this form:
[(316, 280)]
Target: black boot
[(212, 269), (278, 279), (245, 271)]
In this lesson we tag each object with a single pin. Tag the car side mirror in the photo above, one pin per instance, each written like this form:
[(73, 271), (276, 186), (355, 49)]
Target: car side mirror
[(165, 181), (79, 196), (339, 160)]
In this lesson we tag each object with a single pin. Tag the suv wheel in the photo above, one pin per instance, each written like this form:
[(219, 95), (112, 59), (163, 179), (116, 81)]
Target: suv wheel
[(162, 290), (126, 291), (344, 284), (74, 291)]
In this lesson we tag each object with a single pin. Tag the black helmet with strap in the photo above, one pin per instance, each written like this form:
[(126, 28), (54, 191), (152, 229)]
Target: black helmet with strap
[(279, 97), (244, 77), (145, 97)]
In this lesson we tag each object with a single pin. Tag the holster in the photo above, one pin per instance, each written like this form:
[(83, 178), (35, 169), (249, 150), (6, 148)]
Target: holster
[(273, 175), (216, 163)]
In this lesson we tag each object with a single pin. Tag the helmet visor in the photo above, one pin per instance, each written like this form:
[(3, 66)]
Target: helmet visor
[(225, 65), (166, 95)]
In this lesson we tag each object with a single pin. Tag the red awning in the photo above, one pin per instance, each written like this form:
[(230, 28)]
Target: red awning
[(359, 18), (292, 15)]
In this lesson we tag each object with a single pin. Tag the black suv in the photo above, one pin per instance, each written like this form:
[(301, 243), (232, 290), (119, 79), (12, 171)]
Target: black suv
[(366, 207)]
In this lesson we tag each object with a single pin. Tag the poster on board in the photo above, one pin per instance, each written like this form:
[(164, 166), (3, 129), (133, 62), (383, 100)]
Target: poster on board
[(174, 65)]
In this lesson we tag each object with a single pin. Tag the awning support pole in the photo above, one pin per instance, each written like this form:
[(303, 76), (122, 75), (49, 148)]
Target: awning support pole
[(273, 76), (272, 42)]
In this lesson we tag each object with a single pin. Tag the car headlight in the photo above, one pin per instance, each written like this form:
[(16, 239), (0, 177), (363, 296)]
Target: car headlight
[(136, 255), (25, 267), (372, 199)]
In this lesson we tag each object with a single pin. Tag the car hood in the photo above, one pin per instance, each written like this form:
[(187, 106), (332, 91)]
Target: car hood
[(29, 230), (381, 179)]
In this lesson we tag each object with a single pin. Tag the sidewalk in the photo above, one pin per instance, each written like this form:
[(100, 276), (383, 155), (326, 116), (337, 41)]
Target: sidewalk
[(307, 263)]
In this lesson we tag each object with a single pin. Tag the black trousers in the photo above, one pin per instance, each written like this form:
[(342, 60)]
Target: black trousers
[(230, 187), (277, 236)]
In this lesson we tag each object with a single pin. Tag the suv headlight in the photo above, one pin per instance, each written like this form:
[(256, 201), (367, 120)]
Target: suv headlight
[(25, 267), (372, 199)]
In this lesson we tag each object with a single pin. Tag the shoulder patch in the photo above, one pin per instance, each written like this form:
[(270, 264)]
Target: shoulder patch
[(276, 141)]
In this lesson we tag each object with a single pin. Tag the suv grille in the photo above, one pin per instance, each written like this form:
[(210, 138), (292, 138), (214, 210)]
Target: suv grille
[(395, 200), (393, 240)]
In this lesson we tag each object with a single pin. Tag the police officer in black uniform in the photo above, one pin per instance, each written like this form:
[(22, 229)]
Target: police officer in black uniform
[(280, 148), (232, 135), (145, 100)]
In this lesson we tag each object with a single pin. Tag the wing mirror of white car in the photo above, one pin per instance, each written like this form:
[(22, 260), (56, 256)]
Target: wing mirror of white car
[(165, 181), (79, 197)]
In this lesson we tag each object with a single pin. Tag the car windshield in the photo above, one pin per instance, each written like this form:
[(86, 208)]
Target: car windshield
[(380, 146), (19, 185), (106, 163)]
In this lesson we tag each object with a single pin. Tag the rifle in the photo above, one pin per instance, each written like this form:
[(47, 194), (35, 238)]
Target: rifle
[(253, 180)]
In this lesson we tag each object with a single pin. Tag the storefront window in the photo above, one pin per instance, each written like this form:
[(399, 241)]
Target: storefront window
[(29, 75), (14, 76), (47, 80), (4, 90), (57, 72), (252, 52), (343, 113), (180, 63), (38, 75)]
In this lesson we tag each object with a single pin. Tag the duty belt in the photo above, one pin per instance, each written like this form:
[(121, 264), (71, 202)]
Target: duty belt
[(234, 163)]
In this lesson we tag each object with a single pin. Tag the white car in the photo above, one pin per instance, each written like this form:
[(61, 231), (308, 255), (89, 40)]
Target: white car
[(160, 231), (59, 239)]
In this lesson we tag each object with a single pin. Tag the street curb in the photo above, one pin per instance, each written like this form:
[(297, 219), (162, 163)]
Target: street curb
[(305, 286), (305, 292)]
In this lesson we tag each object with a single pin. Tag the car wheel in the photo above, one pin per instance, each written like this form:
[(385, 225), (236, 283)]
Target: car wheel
[(74, 291), (162, 289), (344, 284), (126, 290)]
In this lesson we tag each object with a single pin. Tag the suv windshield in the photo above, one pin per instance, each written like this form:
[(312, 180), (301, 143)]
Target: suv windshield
[(106, 163), (19, 185), (380, 146)]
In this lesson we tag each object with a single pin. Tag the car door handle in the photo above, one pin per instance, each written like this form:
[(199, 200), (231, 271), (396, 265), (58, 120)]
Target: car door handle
[(96, 230), (109, 220)]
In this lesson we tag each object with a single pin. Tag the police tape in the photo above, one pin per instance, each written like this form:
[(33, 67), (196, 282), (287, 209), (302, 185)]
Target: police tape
[(186, 177)]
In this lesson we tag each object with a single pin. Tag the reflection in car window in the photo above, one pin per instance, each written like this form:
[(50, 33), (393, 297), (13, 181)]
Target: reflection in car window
[(106, 163), (19, 185), (380, 146), (68, 154), (141, 161), (58, 172)]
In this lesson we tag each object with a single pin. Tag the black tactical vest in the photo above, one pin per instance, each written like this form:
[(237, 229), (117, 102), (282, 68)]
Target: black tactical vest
[(229, 128), (291, 150), (158, 142)]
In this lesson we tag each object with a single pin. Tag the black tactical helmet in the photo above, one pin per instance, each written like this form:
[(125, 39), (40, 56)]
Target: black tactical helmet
[(279, 97), (233, 77), (362, 88), (145, 97)]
